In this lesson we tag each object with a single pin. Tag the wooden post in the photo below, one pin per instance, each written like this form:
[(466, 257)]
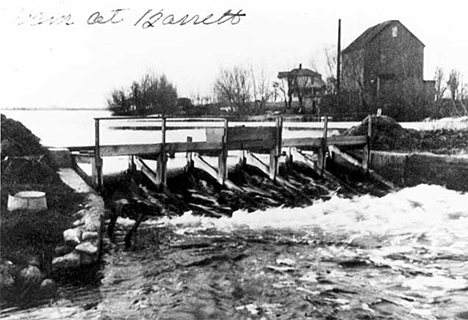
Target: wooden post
[(222, 157), (367, 146), (131, 163), (161, 167), (97, 164), (321, 161), (189, 156), (276, 151)]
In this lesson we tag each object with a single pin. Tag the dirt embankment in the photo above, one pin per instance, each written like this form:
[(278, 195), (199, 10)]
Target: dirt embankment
[(389, 135), (28, 239)]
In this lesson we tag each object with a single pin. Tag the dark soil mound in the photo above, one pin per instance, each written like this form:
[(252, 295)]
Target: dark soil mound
[(17, 140), (25, 162), (30, 236), (389, 135)]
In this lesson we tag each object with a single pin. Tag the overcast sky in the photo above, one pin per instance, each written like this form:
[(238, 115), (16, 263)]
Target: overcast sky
[(77, 65)]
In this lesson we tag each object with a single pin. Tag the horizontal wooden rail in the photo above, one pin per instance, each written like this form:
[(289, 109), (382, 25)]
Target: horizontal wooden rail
[(267, 137), (200, 146)]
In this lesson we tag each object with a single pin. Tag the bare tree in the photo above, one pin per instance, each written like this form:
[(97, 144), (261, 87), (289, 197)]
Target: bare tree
[(242, 89), (453, 83), (440, 85), (456, 90)]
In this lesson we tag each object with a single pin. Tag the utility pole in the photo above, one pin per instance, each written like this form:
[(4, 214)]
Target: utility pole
[(338, 60)]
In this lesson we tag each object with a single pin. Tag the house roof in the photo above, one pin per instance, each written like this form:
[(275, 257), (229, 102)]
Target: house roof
[(317, 81), (298, 72), (371, 33)]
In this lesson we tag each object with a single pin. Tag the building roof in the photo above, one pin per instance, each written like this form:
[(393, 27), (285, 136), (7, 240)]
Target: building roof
[(366, 37), (298, 72)]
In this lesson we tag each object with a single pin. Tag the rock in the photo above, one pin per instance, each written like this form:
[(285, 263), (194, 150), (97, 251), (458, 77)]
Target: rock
[(78, 223), (92, 222), (87, 259), (72, 236), (48, 287), (34, 261), (69, 260), (63, 250), (6, 279), (89, 235), (87, 247), (31, 275)]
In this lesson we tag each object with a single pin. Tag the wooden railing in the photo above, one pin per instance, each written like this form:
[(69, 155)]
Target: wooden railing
[(220, 139)]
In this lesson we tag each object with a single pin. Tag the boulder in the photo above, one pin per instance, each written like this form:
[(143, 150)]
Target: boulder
[(67, 261), (92, 221), (89, 235), (63, 250), (6, 279), (31, 276), (72, 236), (48, 287), (87, 247)]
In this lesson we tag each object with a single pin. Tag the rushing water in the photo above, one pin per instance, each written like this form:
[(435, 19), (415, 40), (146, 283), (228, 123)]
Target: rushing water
[(401, 256), (411, 246)]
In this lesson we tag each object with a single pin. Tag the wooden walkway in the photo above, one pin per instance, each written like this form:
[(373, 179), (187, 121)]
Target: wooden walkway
[(220, 140)]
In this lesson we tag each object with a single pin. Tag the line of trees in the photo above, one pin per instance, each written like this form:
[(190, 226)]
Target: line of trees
[(243, 91), (151, 95)]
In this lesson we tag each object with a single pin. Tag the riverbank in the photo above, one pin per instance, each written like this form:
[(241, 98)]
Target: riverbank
[(29, 239)]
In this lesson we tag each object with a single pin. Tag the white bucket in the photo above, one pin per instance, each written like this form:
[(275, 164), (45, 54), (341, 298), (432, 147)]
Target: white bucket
[(29, 200)]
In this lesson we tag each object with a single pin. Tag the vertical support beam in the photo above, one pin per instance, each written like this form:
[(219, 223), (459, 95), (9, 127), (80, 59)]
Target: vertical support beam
[(131, 163), (367, 148), (276, 151), (189, 157), (289, 157), (97, 164), (321, 161), (161, 166), (222, 157)]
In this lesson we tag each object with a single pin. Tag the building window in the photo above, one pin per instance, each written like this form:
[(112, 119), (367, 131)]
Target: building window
[(394, 31)]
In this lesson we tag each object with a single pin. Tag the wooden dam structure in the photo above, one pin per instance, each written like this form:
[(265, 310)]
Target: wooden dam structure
[(221, 138)]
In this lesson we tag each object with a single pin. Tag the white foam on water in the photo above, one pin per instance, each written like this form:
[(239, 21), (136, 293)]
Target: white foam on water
[(428, 215)]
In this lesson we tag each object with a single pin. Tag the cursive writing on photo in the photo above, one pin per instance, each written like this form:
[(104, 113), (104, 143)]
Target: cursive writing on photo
[(143, 19)]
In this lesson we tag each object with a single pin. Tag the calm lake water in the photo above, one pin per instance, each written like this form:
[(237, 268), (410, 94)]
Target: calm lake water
[(61, 128)]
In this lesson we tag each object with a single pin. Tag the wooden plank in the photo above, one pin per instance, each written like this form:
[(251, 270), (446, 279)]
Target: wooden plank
[(214, 134), (143, 167), (83, 158), (360, 165), (189, 156), (202, 164), (126, 150), (322, 172), (222, 157), (275, 152), (303, 142), (267, 134), (155, 148), (161, 164), (239, 137), (82, 174), (253, 160), (296, 154), (97, 163)]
